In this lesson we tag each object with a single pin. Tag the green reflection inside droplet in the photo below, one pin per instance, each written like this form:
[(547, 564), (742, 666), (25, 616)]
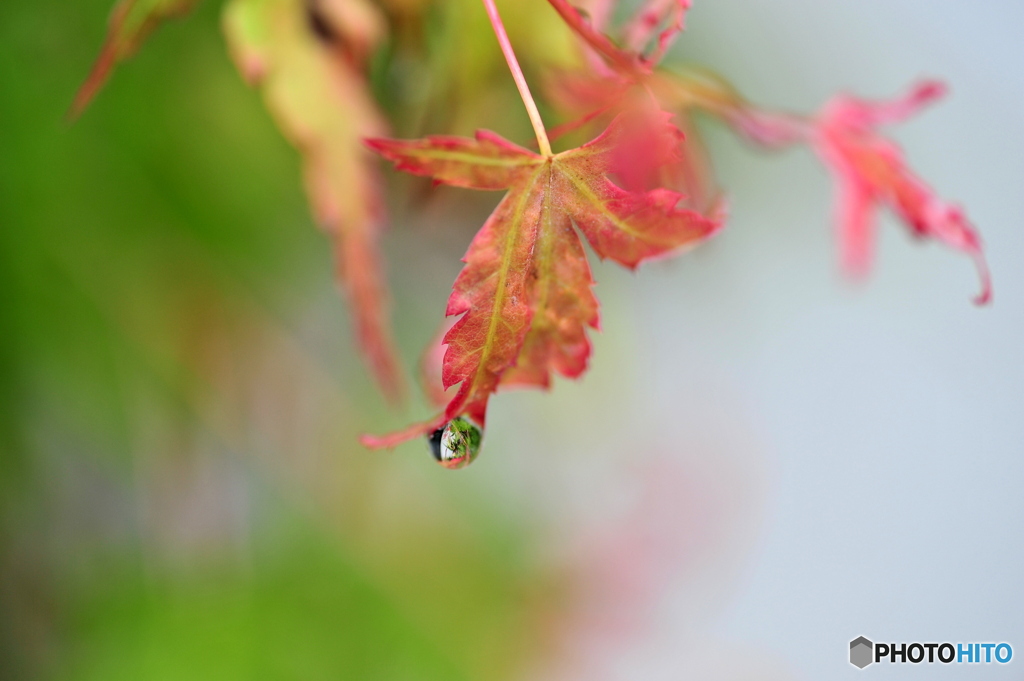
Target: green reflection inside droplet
[(457, 444)]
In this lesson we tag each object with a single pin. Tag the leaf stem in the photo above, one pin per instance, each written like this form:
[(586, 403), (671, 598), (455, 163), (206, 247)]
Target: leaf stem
[(517, 74)]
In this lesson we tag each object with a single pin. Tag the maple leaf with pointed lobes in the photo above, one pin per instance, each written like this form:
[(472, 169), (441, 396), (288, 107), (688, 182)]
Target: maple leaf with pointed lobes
[(870, 172), (525, 295)]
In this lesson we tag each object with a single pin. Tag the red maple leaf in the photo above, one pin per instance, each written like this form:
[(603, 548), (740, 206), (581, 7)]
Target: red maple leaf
[(525, 295), (870, 173)]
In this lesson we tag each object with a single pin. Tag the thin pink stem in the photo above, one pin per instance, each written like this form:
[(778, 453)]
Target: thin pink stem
[(517, 74)]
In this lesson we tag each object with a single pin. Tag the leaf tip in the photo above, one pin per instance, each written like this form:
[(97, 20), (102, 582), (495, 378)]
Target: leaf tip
[(392, 440), (984, 296), (376, 144)]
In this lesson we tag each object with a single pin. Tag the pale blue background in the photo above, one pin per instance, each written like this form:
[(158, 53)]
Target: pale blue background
[(869, 439)]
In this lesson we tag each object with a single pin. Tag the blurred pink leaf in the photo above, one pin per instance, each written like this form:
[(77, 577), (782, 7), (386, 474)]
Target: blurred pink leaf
[(871, 173), (306, 59)]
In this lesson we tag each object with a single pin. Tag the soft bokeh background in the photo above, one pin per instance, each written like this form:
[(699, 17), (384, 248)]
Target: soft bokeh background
[(763, 463)]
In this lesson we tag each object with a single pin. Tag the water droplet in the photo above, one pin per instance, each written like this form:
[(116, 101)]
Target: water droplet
[(456, 444)]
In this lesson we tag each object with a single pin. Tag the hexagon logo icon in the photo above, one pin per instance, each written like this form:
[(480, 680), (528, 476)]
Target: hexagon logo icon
[(861, 652)]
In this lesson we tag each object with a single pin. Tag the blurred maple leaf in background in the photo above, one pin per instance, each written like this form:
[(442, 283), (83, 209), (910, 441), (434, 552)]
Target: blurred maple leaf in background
[(869, 169), (870, 172), (308, 59)]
